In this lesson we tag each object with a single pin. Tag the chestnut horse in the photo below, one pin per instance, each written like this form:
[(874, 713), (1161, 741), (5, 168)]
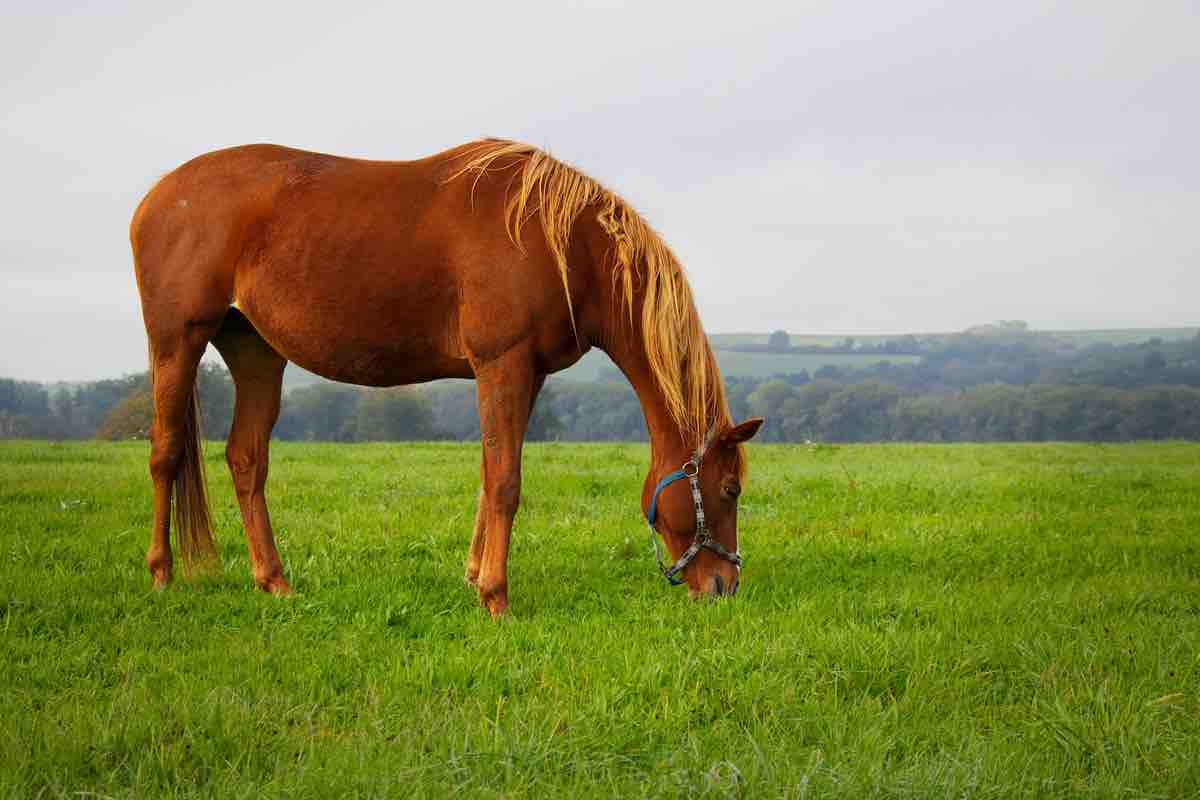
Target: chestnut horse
[(388, 273)]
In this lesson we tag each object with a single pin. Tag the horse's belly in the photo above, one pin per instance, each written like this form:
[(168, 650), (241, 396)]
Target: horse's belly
[(360, 339), (385, 367)]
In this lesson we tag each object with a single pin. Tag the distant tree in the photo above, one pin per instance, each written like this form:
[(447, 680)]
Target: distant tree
[(25, 411), (995, 412), (392, 415), (214, 387), (858, 412), (925, 418), (779, 342), (1154, 360), (827, 372), (789, 411), (19, 426), (544, 424), (321, 412), (23, 398), (794, 378), (129, 419), (131, 416), (736, 395), (768, 399), (81, 409), (999, 327), (455, 410), (607, 412)]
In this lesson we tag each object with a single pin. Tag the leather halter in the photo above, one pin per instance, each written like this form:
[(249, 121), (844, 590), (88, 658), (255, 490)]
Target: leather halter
[(702, 540)]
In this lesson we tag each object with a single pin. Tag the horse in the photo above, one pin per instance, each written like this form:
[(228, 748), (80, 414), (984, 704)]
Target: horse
[(383, 273)]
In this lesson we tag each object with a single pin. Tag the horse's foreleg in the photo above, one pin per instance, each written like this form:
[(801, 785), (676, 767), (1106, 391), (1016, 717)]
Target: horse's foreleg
[(505, 397), (479, 536), (257, 372)]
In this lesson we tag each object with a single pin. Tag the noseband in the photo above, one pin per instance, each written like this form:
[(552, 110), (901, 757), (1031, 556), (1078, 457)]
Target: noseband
[(702, 541)]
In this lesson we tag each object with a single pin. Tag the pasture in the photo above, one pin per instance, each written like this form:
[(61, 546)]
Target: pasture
[(983, 621)]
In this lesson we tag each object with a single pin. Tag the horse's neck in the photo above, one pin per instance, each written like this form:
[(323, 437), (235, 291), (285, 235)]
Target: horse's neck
[(668, 444), (625, 345)]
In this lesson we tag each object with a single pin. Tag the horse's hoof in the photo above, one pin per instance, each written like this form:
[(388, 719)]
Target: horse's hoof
[(161, 576), (496, 602), (498, 607), (276, 586)]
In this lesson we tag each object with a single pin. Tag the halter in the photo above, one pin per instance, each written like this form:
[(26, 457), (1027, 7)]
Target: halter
[(702, 540)]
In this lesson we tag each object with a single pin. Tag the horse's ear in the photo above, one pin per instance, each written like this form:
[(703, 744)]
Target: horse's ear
[(742, 432)]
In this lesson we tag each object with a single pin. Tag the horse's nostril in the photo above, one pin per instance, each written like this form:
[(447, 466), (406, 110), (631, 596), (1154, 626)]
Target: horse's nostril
[(736, 582), (718, 585)]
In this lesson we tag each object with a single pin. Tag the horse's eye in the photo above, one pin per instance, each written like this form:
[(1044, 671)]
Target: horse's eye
[(731, 489)]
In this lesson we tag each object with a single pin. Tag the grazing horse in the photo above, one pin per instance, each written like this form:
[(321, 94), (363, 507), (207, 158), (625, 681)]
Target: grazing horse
[(388, 273)]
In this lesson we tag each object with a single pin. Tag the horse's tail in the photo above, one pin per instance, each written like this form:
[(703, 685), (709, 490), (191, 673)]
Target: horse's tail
[(193, 523)]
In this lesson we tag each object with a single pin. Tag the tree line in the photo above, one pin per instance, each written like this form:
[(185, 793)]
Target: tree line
[(996, 384)]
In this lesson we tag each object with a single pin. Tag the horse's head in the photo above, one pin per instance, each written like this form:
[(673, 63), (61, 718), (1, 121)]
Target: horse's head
[(701, 536)]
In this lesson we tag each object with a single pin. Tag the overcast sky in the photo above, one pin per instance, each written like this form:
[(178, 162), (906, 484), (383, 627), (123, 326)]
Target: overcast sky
[(820, 167)]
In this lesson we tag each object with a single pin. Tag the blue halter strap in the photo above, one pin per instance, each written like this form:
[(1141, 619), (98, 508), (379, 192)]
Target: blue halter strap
[(652, 514)]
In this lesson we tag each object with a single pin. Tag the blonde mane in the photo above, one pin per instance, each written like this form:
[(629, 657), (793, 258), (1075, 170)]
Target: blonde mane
[(677, 349)]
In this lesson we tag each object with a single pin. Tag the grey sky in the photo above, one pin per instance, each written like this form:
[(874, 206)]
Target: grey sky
[(819, 167)]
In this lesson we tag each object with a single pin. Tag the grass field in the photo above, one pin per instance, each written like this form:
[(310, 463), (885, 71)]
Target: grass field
[(924, 621)]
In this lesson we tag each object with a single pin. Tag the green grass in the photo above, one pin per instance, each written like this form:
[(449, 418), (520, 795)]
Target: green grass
[(927, 621)]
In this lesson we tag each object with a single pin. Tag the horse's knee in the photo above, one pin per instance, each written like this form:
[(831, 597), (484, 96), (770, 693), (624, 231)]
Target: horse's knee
[(506, 494), (245, 465), (166, 452)]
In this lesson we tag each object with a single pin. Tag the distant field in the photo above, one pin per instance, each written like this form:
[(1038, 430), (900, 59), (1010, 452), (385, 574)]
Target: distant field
[(1125, 336), (762, 365), (948, 621), (1082, 338)]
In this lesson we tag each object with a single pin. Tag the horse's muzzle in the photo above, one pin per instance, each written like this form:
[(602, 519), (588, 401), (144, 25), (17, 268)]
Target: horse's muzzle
[(720, 589)]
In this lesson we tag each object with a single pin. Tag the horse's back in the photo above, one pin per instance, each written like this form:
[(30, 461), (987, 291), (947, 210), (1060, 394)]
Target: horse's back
[(373, 272)]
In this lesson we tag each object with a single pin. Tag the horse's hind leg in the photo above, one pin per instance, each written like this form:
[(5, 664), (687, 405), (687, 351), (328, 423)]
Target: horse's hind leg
[(257, 372), (479, 537), (174, 455)]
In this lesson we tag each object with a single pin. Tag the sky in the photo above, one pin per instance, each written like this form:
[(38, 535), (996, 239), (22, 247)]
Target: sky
[(820, 167)]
